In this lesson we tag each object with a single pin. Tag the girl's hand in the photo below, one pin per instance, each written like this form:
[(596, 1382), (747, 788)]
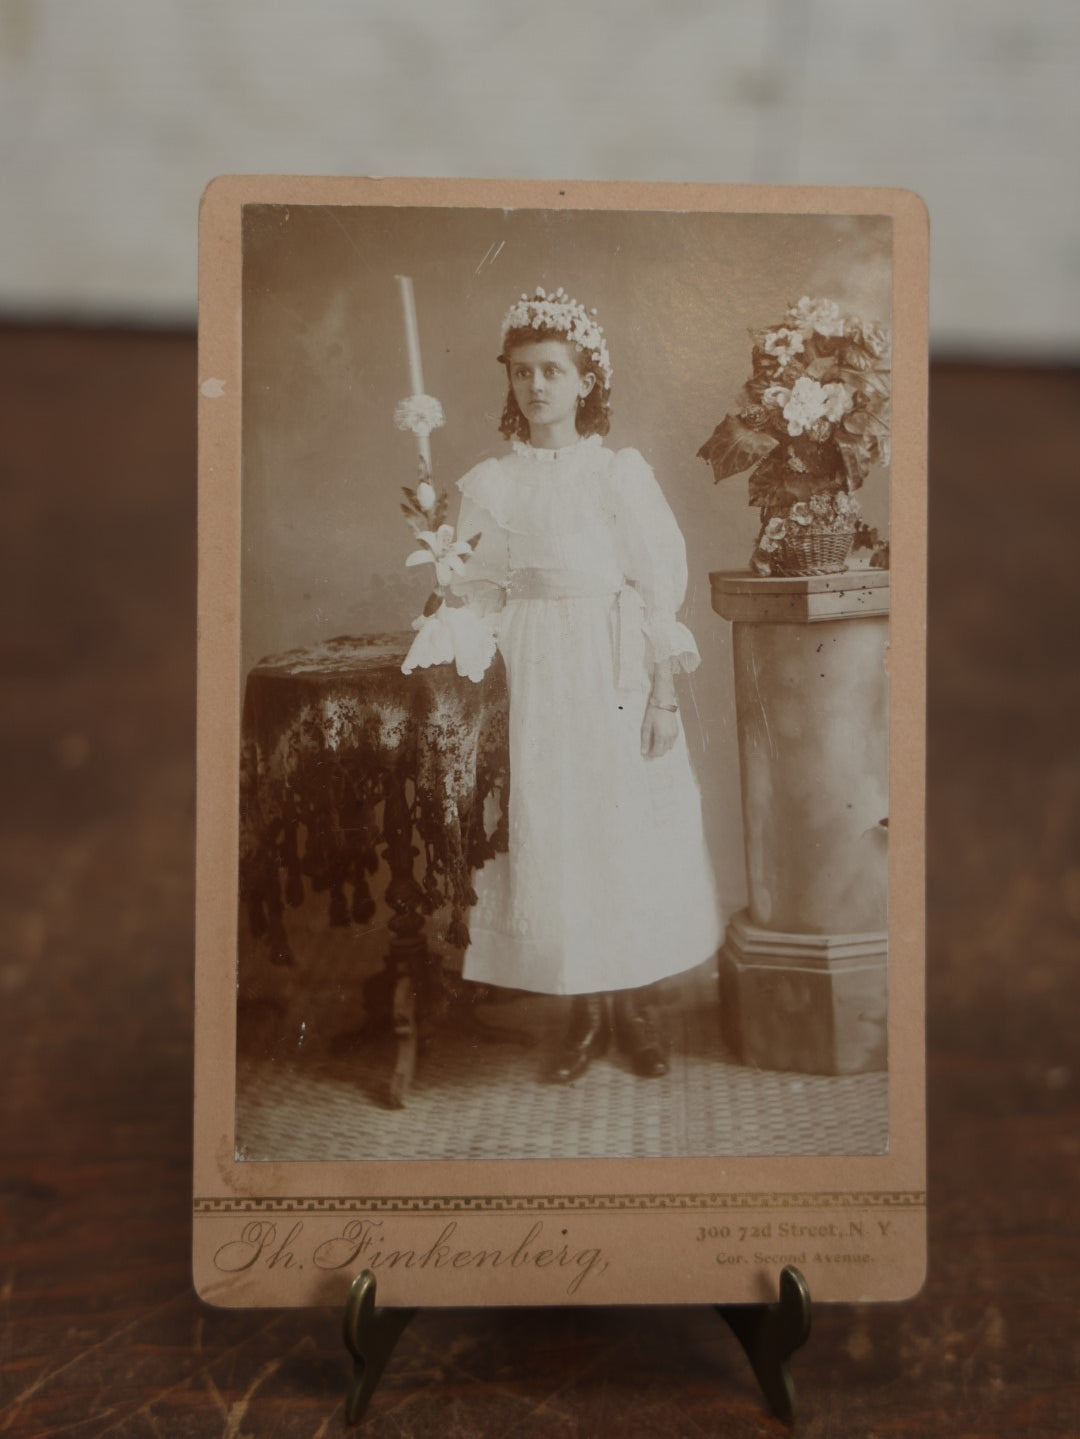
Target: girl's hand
[(659, 731)]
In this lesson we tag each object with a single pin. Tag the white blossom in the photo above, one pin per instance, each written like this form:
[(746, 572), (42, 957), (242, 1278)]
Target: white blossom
[(821, 317), (838, 401), (784, 345), (805, 405), (776, 396), (443, 551), (420, 414)]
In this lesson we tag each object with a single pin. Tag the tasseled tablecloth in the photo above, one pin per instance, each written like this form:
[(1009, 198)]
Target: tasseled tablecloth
[(328, 734)]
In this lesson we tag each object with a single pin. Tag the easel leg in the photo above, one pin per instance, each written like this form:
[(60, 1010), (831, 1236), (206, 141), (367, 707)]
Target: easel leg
[(370, 1336), (770, 1334)]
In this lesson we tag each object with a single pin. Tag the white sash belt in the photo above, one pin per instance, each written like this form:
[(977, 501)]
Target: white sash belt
[(629, 652)]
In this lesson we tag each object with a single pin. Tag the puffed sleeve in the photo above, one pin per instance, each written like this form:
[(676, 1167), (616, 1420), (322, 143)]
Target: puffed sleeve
[(482, 584), (653, 555)]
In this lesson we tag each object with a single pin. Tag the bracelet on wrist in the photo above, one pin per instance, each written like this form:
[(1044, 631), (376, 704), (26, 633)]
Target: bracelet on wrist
[(671, 709)]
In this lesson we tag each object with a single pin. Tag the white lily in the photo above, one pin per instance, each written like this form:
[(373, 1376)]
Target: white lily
[(443, 551), (425, 496)]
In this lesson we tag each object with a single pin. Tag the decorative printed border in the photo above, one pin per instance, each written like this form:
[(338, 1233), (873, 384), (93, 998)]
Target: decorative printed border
[(553, 1203)]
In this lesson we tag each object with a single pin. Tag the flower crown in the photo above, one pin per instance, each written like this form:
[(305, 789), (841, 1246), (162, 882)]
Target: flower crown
[(562, 313)]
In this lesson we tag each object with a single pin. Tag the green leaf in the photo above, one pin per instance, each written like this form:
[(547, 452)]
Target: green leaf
[(733, 447)]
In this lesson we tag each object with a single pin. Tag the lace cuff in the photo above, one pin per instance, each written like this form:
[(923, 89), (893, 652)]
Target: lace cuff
[(669, 639)]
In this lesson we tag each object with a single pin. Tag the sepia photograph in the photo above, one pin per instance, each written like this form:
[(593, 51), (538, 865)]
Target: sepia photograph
[(562, 803)]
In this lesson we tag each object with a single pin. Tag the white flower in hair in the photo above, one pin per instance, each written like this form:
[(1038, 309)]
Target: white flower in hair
[(562, 313)]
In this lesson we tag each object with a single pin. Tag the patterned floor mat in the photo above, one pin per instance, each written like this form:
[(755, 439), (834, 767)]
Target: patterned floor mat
[(482, 1099)]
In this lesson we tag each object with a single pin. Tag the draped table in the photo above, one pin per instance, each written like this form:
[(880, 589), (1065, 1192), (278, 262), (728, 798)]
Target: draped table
[(345, 760)]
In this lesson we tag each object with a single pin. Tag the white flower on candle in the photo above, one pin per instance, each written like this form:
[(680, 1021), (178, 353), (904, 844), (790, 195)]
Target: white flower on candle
[(420, 414), (443, 551)]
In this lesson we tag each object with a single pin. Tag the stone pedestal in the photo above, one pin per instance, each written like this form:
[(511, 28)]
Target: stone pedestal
[(803, 969)]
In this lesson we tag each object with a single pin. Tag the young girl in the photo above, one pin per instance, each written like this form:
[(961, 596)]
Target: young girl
[(607, 886)]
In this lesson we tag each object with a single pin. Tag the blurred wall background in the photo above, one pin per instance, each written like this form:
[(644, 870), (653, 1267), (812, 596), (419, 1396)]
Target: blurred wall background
[(114, 114)]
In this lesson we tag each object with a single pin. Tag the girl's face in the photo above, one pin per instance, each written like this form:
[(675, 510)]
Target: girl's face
[(547, 383)]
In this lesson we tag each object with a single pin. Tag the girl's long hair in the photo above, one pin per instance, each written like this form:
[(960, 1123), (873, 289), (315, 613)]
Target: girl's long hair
[(594, 412)]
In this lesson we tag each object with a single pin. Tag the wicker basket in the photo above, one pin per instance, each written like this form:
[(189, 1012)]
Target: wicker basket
[(815, 552)]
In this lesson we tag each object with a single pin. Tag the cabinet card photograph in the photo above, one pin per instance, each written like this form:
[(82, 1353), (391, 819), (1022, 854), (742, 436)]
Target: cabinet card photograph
[(561, 739)]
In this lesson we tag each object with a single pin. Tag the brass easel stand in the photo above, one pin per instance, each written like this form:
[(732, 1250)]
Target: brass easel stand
[(370, 1335), (769, 1333)]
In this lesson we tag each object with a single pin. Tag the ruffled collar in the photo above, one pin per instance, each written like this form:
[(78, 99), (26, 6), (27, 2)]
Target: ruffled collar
[(532, 452)]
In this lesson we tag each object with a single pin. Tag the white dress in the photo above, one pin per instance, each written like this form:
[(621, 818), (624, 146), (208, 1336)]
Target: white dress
[(607, 883)]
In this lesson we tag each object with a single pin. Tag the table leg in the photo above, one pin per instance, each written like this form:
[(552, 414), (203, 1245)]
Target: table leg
[(407, 957)]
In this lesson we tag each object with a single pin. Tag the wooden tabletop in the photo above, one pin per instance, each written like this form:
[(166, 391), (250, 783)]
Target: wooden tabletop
[(102, 1333)]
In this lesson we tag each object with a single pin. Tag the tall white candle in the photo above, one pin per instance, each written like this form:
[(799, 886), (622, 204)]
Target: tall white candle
[(412, 334)]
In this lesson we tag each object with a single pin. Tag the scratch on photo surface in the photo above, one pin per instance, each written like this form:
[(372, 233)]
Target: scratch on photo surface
[(702, 729), (332, 212), (280, 304), (761, 703), (488, 257)]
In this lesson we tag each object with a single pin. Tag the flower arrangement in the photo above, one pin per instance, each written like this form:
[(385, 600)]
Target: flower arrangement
[(811, 421), (445, 634)]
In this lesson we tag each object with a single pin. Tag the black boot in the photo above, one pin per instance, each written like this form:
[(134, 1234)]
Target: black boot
[(639, 1034), (587, 1035)]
